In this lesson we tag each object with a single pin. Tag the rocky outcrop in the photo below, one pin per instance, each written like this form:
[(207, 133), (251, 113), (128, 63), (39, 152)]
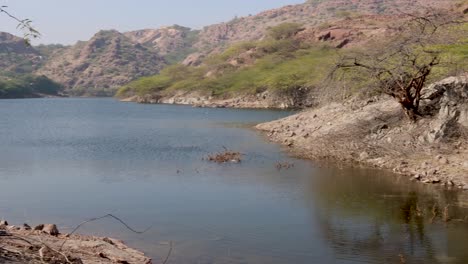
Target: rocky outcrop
[(448, 101), (376, 133), (261, 100), (44, 244), (311, 14)]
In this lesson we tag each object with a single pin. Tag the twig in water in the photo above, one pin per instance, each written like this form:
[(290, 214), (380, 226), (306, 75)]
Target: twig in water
[(446, 214), (434, 213), (168, 253)]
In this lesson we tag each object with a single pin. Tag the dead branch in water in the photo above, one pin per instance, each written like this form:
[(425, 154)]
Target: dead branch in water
[(226, 156), (168, 253)]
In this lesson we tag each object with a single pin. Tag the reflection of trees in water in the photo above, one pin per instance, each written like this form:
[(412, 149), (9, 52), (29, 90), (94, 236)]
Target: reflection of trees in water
[(373, 218)]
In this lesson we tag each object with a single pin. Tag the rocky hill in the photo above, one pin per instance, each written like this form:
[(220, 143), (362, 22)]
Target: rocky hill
[(313, 13), (16, 57), (111, 59), (96, 67), (99, 66), (174, 42)]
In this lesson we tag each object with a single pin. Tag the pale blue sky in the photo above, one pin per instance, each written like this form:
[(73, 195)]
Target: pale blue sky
[(66, 21)]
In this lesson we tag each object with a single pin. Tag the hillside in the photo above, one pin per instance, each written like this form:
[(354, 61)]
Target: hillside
[(28, 86), (98, 66), (16, 57), (313, 13), (174, 42), (290, 64), (111, 59)]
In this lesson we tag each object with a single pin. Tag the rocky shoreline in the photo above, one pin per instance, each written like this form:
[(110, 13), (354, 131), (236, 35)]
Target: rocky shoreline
[(45, 244), (261, 100), (376, 133)]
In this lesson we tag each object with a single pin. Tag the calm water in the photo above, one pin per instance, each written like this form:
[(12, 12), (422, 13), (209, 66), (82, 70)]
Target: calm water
[(68, 160)]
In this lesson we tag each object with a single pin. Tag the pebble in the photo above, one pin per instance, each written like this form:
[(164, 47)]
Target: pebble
[(364, 155), (444, 160), (424, 164)]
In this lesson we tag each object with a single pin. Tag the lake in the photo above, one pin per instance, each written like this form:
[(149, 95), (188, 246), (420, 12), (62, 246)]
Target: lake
[(64, 161)]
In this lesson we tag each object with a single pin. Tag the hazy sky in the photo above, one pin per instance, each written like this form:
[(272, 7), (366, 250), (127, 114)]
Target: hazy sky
[(66, 21)]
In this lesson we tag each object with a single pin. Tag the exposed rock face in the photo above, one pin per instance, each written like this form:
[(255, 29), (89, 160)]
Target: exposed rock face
[(193, 59), (449, 101), (262, 100), (313, 13), (165, 40), (108, 60)]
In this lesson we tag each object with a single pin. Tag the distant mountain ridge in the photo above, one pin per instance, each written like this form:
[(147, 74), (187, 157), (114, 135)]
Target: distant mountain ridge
[(111, 58)]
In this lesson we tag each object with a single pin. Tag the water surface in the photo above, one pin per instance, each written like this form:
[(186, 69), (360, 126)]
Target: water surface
[(67, 160)]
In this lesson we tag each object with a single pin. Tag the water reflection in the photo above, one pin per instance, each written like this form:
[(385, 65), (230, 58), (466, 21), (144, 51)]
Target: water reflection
[(385, 219), (74, 159)]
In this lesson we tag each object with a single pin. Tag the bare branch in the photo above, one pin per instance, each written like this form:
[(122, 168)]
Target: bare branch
[(25, 25)]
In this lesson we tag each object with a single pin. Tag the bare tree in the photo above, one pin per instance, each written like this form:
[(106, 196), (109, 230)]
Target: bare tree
[(401, 65)]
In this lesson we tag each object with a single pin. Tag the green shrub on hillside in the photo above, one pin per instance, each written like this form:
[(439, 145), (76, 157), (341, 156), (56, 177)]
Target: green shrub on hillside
[(278, 63), (284, 31)]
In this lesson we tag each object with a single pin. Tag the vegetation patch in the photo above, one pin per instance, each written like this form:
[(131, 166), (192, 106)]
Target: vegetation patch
[(28, 86)]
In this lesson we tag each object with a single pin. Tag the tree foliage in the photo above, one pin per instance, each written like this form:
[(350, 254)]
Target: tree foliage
[(28, 86)]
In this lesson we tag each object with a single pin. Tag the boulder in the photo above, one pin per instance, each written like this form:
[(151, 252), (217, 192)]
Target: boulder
[(39, 227), (50, 229), (447, 100)]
